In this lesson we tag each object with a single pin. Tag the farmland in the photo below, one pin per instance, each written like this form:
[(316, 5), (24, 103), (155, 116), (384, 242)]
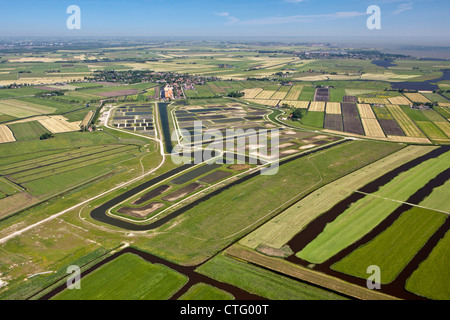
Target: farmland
[(362, 176)]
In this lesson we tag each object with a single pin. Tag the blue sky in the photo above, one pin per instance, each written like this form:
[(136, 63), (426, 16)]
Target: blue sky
[(214, 18)]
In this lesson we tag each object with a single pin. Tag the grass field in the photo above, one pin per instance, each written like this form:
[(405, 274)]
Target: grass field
[(314, 119), (365, 214), (27, 130), (395, 247), (22, 109), (431, 278), (203, 291), (127, 277), (262, 282)]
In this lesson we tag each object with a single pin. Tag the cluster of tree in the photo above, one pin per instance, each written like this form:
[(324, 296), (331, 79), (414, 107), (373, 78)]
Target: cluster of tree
[(236, 94), (46, 136), (49, 93)]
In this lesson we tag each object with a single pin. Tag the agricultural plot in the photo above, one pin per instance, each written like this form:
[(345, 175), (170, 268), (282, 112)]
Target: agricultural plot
[(392, 261), (351, 120), (372, 128), (367, 213), (365, 111), (265, 95), (373, 100), (317, 106), (307, 94), (431, 130), (333, 108), (417, 97), (6, 134), (408, 126), (294, 93), (322, 94), (314, 119), (27, 130), (279, 231), (21, 109), (59, 124), (296, 104), (251, 93), (333, 122), (399, 101), (430, 279), (117, 281)]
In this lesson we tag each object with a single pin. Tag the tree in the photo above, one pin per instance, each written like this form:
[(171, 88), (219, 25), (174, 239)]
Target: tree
[(46, 136), (297, 114)]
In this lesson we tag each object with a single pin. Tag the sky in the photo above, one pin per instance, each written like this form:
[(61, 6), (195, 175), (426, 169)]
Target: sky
[(412, 19)]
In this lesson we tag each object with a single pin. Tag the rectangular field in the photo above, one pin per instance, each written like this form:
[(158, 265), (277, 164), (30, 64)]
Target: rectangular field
[(366, 111), (317, 106), (417, 97), (294, 93), (399, 101), (22, 109), (333, 108), (296, 104), (372, 128), (333, 122)]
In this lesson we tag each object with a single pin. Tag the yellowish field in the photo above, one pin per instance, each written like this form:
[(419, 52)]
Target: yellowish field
[(399, 101), (408, 126), (59, 124), (251, 93), (42, 80), (417, 97), (366, 112), (443, 104), (6, 134), (297, 104), (265, 94), (373, 100), (87, 118), (372, 128), (317, 106), (294, 93), (21, 109), (409, 139), (32, 59), (279, 95), (444, 126), (267, 102), (333, 108)]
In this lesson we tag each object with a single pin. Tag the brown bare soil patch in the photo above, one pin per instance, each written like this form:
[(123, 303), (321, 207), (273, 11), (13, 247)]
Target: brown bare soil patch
[(143, 211), (180, 193), (239, 167)]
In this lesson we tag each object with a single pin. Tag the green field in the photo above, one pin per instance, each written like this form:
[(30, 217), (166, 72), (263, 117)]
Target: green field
[(127, 277), (307, 94), (313, 119), (365, 214), (431, 278), (394, 247), (203, 291), (262, 282), (27, 130)]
